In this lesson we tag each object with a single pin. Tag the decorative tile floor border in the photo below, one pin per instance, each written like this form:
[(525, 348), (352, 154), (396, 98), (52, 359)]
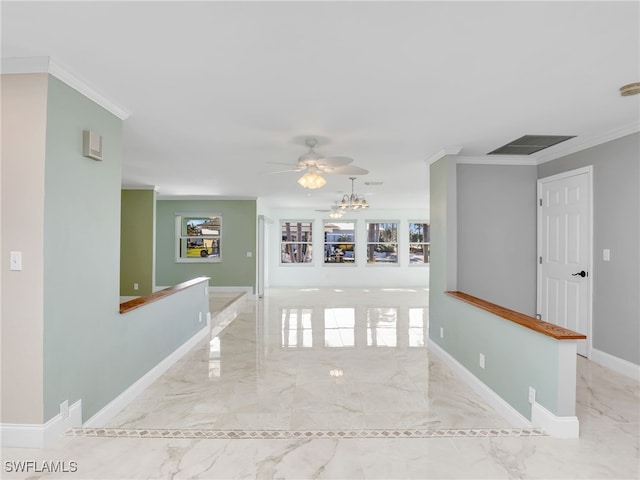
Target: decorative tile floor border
[(298, 434)]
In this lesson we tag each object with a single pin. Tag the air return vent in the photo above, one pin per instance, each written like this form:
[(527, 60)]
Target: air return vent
[(92, 145), (530, 144)]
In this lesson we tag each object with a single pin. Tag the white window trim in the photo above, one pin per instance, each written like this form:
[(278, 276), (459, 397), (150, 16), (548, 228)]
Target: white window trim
[(295, 264), (397, 243), (355, 243), (178, 235)]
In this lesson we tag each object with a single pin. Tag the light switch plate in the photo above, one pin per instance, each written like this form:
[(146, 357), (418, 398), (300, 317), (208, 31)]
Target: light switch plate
[(15, 261)]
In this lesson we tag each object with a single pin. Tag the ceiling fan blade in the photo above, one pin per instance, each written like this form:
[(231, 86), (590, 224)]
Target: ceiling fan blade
[(284, 171), (288, 164), (334, 161), (348, 170)]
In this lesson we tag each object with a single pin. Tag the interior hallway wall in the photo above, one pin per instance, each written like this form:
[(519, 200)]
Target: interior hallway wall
[(497, 234), (239, 233), (24, 116), (137, 242), (616, 226)]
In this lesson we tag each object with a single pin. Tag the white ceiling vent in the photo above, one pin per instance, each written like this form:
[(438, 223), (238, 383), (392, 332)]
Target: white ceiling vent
[(92, 145)]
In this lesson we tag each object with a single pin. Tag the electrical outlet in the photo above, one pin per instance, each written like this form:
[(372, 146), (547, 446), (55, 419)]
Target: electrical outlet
[(532, 395), (441, 332), (481, 360), (64, 409), (135, 286)]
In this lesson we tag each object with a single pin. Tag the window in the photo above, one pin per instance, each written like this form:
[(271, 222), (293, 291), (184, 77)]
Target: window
[(198, 238), (419, 242), (296, 244), (382, 243), (339, 243)]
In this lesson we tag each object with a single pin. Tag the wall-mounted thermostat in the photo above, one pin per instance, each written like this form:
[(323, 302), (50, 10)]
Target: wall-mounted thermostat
[(92, 145)]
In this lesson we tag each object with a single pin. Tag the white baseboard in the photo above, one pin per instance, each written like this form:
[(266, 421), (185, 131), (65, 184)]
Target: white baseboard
[(39, 436), (109, 411), (558, 427), (616, 364), (488, 395)]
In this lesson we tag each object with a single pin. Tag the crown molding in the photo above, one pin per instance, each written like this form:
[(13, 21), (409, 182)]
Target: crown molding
[(497, 160), (48, 65), (582, 143), (442, 153)]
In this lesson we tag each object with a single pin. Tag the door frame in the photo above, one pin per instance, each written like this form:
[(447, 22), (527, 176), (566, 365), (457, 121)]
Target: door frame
[(588, 170)]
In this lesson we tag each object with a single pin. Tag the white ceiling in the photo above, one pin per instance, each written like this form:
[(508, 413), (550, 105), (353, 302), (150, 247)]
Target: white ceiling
[(216, 90)]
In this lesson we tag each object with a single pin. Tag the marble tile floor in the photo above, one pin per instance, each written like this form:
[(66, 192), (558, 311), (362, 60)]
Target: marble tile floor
[(339, 361)]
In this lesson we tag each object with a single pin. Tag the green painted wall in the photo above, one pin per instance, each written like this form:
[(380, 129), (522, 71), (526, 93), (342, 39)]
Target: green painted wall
[(239, 220), (137, 241), (91, 352), (515, 357)]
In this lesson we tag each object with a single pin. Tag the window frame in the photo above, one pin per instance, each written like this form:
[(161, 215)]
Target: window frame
[(368, 243), (308, 242), (180, 236), (425, 242), (352, 242)]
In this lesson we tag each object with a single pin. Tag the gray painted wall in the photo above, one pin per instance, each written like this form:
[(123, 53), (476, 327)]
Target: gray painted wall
[(497, 234), (516, 357), (616, 220)]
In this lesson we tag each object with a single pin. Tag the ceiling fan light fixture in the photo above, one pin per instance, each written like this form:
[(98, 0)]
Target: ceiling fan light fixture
[(312, 180)]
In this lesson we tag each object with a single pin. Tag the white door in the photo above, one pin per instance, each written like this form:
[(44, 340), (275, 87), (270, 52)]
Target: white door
[(564, 249)]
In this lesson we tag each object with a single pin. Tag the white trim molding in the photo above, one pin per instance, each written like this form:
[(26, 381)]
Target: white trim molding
[(558, 427), (48, 65), (623, 367), (482, 389), (39, 436), (109, 411), (580, 143), (442, 153)]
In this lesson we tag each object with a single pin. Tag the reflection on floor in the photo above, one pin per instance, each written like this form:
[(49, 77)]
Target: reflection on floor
[(321, 360), (324, 383)]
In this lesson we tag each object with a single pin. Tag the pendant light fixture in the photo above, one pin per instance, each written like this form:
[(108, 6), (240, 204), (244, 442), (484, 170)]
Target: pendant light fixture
[(353, 201)]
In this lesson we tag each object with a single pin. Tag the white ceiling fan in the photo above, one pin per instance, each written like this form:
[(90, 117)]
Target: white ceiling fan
[(315, 165)]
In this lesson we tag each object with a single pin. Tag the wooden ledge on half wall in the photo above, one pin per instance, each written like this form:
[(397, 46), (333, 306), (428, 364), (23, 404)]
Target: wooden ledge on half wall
[(155, 296), (545, 328)]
